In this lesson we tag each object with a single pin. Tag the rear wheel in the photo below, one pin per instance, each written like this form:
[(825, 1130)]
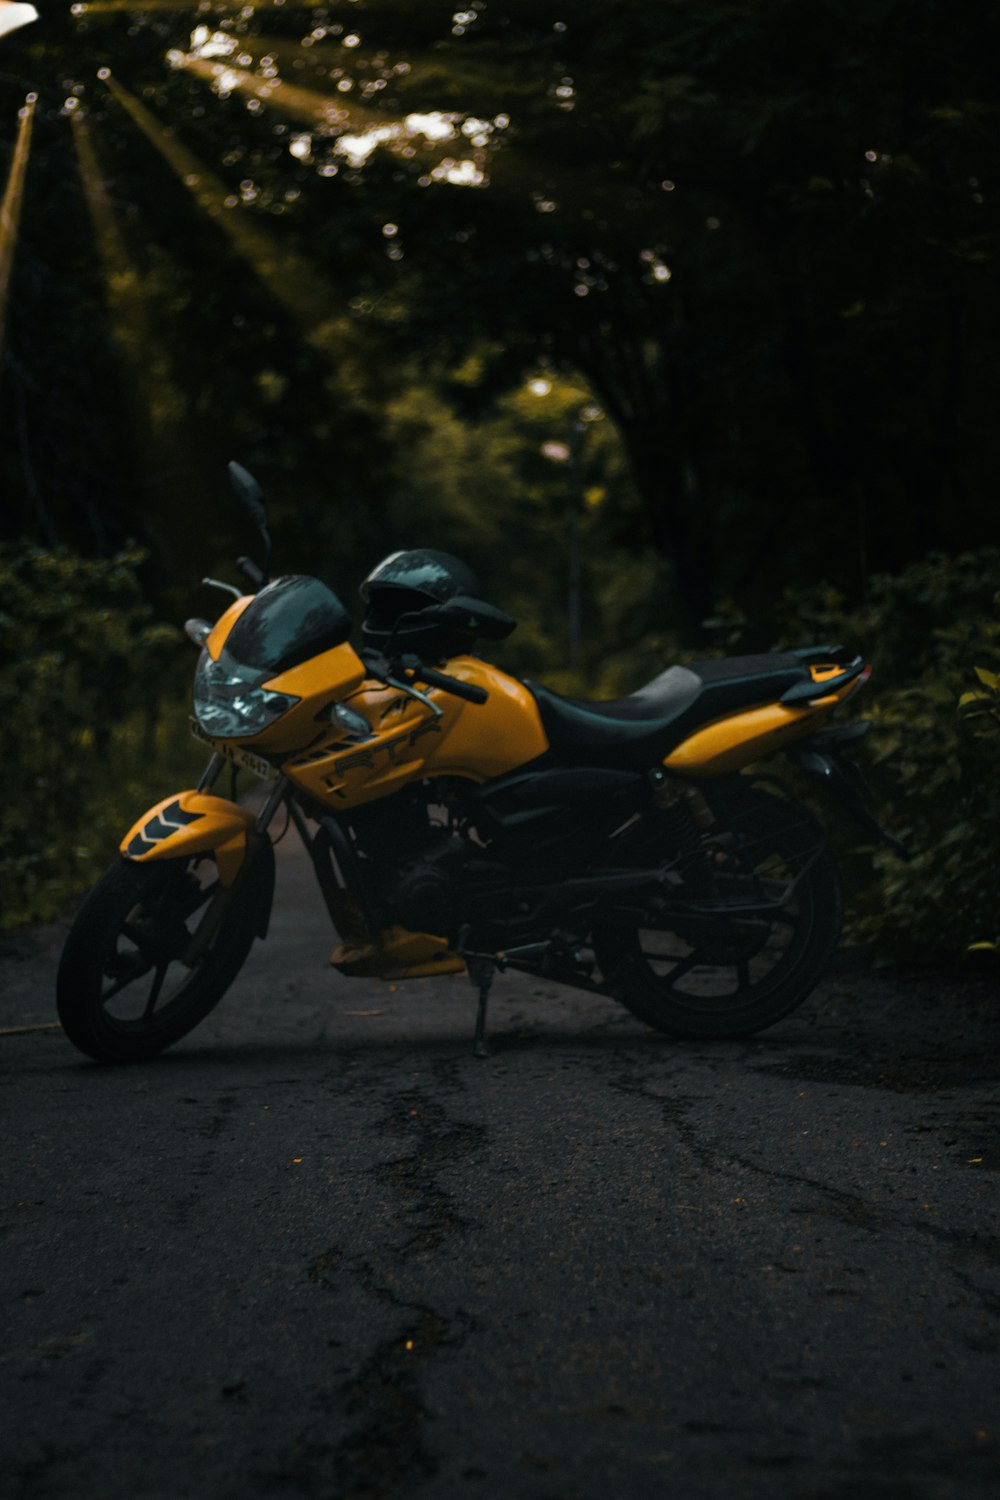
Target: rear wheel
[(153, 948), (744, 949)]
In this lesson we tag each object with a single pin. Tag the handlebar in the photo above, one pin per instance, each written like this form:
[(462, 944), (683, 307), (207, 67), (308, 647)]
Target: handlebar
[(452, 685), (388, 671)]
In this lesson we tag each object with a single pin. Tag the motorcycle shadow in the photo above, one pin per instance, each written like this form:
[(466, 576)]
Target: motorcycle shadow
[(330, 1056)]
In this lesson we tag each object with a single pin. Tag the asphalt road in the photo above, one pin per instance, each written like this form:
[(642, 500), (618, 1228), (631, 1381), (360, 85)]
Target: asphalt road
[(321, 1250)]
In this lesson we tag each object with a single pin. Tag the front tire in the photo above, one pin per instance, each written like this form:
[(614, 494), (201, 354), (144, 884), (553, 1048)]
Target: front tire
[(719, 975), (131, 979)]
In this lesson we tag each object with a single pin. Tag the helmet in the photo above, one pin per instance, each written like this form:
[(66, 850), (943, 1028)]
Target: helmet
[(405, 583)]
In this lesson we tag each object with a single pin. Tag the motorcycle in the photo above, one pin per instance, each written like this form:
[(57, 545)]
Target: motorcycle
[(463, 821)]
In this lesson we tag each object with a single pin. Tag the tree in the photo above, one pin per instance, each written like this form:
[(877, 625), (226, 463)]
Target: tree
[(759, 232)]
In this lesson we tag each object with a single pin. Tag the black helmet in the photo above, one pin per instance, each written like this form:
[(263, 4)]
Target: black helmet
[(405, 583)]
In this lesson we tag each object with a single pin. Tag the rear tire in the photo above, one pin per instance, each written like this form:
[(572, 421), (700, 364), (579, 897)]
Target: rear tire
[(726, 976), (124, 991)]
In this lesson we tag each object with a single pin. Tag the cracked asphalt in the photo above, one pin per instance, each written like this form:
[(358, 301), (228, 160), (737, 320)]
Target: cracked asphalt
[(320, 1250)]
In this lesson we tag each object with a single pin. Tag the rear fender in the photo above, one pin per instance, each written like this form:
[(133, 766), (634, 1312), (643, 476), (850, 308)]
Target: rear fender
[(821, 757), (190, 823)]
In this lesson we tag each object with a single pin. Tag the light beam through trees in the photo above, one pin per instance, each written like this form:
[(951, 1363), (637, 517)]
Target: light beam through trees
[(10, 209)]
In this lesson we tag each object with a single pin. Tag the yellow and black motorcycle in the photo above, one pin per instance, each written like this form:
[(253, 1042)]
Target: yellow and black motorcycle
[(460, 820)]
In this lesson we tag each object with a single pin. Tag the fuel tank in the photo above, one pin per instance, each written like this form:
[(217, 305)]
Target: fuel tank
[(408, 742)]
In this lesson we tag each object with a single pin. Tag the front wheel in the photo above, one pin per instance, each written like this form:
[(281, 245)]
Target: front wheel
[(153, 948), (744, 945)]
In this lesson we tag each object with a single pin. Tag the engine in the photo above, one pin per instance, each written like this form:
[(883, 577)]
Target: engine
[(504, 861), (448, 886), (426, 897)]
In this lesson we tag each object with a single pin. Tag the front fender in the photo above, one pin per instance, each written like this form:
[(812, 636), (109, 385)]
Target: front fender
[(191, 823)]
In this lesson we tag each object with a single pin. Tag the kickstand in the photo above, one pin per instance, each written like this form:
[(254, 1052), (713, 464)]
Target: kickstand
[(481, 972), (482, 967)]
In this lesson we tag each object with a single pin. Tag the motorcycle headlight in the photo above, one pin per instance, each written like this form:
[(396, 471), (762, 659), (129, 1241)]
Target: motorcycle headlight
[(228, 703)]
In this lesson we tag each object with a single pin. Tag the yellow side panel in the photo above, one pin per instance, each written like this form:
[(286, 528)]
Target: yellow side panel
[(489, 739), (729, 744), (477, 741), (339, 671)]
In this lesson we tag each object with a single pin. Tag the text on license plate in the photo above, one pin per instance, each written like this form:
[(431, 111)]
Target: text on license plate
[(239, 757)]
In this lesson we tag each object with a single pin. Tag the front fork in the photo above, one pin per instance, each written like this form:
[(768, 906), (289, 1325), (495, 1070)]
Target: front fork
[(280, 791), (334, 860), (258, 846)]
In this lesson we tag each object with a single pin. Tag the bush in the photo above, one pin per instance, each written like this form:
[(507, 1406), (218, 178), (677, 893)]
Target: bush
[(934, 783), (86, 678)]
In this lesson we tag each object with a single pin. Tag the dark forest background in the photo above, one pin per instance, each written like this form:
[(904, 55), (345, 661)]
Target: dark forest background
[(704, 294)]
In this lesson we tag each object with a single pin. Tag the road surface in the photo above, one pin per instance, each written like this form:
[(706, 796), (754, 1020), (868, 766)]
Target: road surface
[(320, 1250)]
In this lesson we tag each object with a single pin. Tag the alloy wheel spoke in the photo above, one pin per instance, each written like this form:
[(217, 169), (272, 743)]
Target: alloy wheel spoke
[(144, 941), (681, 965), (205, 894), (154, 993), (143, 966)]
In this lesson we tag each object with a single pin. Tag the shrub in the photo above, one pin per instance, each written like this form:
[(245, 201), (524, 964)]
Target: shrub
[(934, 784), (85, 676)]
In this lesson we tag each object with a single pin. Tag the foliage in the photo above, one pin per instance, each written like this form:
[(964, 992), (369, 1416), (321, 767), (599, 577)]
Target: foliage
[(757, 237), (934, 784), (980, 713), (980, 708), (759, 234), (529, 469), (85, 678)]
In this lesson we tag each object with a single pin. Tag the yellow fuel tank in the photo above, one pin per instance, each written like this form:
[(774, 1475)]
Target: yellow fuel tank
[(408, 742)]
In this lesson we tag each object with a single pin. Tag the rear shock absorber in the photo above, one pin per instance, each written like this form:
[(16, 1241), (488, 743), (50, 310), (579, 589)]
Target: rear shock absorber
[(685, 816)]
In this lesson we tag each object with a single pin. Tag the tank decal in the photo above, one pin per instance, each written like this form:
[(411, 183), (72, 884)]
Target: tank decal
[(474, 741)]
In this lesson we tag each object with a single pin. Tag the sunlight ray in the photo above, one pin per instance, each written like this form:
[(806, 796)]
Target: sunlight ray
[(192, 7), (301, 104), (133, 325), (288, 277), (259, 63), (311, 106), (360, 129), (10, 208)]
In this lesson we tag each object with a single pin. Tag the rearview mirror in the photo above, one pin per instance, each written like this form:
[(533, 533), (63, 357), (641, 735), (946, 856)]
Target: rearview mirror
[(248, 492), (250, 495)]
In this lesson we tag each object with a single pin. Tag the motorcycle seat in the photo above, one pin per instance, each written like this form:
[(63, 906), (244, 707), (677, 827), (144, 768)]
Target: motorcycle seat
[(638, 731)]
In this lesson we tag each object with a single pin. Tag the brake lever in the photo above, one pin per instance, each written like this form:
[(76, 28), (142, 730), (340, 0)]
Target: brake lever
[(384, 670), (412, 692)]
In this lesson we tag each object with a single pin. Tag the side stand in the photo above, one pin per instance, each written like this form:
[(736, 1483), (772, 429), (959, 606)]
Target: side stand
[(481, 972), (482, 968)]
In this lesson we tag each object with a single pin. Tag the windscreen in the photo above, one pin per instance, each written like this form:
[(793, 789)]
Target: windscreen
[(290, 620)]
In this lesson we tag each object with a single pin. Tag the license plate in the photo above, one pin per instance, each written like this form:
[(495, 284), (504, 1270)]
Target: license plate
[(234, 753)]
